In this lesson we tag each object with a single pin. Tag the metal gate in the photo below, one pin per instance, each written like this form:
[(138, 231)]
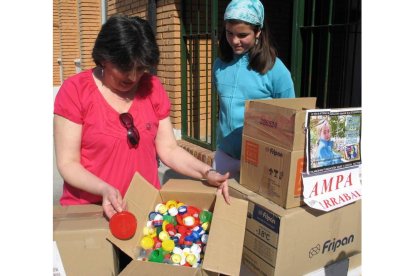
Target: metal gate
[(326, 51), (198, 51)]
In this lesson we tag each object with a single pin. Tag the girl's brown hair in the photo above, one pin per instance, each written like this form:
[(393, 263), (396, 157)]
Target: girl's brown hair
[(262, 56)]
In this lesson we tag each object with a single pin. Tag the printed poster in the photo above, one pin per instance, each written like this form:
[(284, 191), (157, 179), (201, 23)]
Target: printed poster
[(333, 158), (333, 139)]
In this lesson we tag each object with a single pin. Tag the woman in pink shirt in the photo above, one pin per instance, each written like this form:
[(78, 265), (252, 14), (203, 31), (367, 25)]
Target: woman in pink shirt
[(113, 120)]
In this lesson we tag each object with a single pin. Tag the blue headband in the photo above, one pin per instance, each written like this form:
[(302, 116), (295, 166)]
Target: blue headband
[(250, 11)]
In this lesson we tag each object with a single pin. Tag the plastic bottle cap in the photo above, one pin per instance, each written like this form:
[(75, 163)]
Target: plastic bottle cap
[(195, 249), (168, 245), (147, 242), (161, 208), (170, 219), (158, 219), (123, 225), (191, 259), (204, 238), (156, 256), (205, 216), (171, 203), (175, 258), (182, 210), (163, 235), (148, 231), (205, 226), (173, 211)]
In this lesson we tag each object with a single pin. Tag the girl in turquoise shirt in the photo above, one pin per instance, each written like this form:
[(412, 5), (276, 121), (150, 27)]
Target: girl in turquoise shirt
[(247, 69), (325, 154)]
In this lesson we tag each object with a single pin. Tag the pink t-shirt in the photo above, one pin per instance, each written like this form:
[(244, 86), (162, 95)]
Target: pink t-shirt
[(104, 147)]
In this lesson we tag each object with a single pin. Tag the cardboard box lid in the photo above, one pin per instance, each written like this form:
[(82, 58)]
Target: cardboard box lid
[(225, 240), (289, 103), (260, 200), (226, 236)]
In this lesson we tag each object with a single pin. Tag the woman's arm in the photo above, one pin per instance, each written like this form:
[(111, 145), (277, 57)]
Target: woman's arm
[(178, 159), (67, 137)]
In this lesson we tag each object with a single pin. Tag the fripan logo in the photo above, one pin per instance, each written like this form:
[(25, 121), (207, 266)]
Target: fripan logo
[(314, 250), (273, 152), (266, 218), (330, 245)]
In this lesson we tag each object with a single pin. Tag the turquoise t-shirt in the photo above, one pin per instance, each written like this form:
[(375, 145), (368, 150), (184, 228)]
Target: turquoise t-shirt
[(235, 84)]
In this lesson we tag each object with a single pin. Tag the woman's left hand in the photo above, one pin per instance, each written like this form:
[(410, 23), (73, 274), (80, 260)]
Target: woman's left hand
[(218, 180)]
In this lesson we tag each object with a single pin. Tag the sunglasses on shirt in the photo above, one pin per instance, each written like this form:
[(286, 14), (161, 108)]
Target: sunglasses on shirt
[(132, 132)]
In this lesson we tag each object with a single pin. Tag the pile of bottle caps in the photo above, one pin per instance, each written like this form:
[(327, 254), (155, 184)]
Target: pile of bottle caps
[(176, 234)]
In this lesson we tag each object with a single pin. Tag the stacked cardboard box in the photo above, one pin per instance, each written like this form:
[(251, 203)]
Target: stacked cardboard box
[(299, 240), (282, 236), (80, 233), (273, 149)]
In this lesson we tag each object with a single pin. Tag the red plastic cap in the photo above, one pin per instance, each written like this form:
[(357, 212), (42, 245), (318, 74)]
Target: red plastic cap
[(123, 225)]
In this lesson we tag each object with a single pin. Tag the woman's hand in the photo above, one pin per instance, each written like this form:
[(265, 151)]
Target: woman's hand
[(112, 201), (218, 180)]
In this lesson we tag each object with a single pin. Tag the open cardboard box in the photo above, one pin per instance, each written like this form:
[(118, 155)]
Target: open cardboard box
[(226, 235)]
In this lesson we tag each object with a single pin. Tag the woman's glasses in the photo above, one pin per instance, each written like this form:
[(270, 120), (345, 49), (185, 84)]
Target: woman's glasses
[(132, 132)]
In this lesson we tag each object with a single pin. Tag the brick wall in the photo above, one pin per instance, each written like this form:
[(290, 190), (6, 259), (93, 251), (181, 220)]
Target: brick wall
[(76, 24), (168, 38), (67, 35), (56, 44), (89, 26)]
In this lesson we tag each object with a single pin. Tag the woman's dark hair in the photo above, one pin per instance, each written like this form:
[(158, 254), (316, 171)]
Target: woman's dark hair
[(127, 42), (262, 56)]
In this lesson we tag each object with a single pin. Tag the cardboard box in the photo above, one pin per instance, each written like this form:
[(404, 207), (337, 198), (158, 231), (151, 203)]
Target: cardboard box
[(298, 240), (226, 235), (80, 232), (280, 122), (272, 171)]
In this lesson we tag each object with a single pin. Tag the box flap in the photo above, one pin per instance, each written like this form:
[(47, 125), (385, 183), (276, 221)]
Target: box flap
[(140, 198), (291, 103), (150, 268), (73, 210), (191, 192), (184, 185), (78, 217), (225, 241)]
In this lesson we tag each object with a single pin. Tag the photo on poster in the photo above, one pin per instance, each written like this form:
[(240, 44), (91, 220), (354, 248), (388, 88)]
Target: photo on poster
[(333, 139)]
